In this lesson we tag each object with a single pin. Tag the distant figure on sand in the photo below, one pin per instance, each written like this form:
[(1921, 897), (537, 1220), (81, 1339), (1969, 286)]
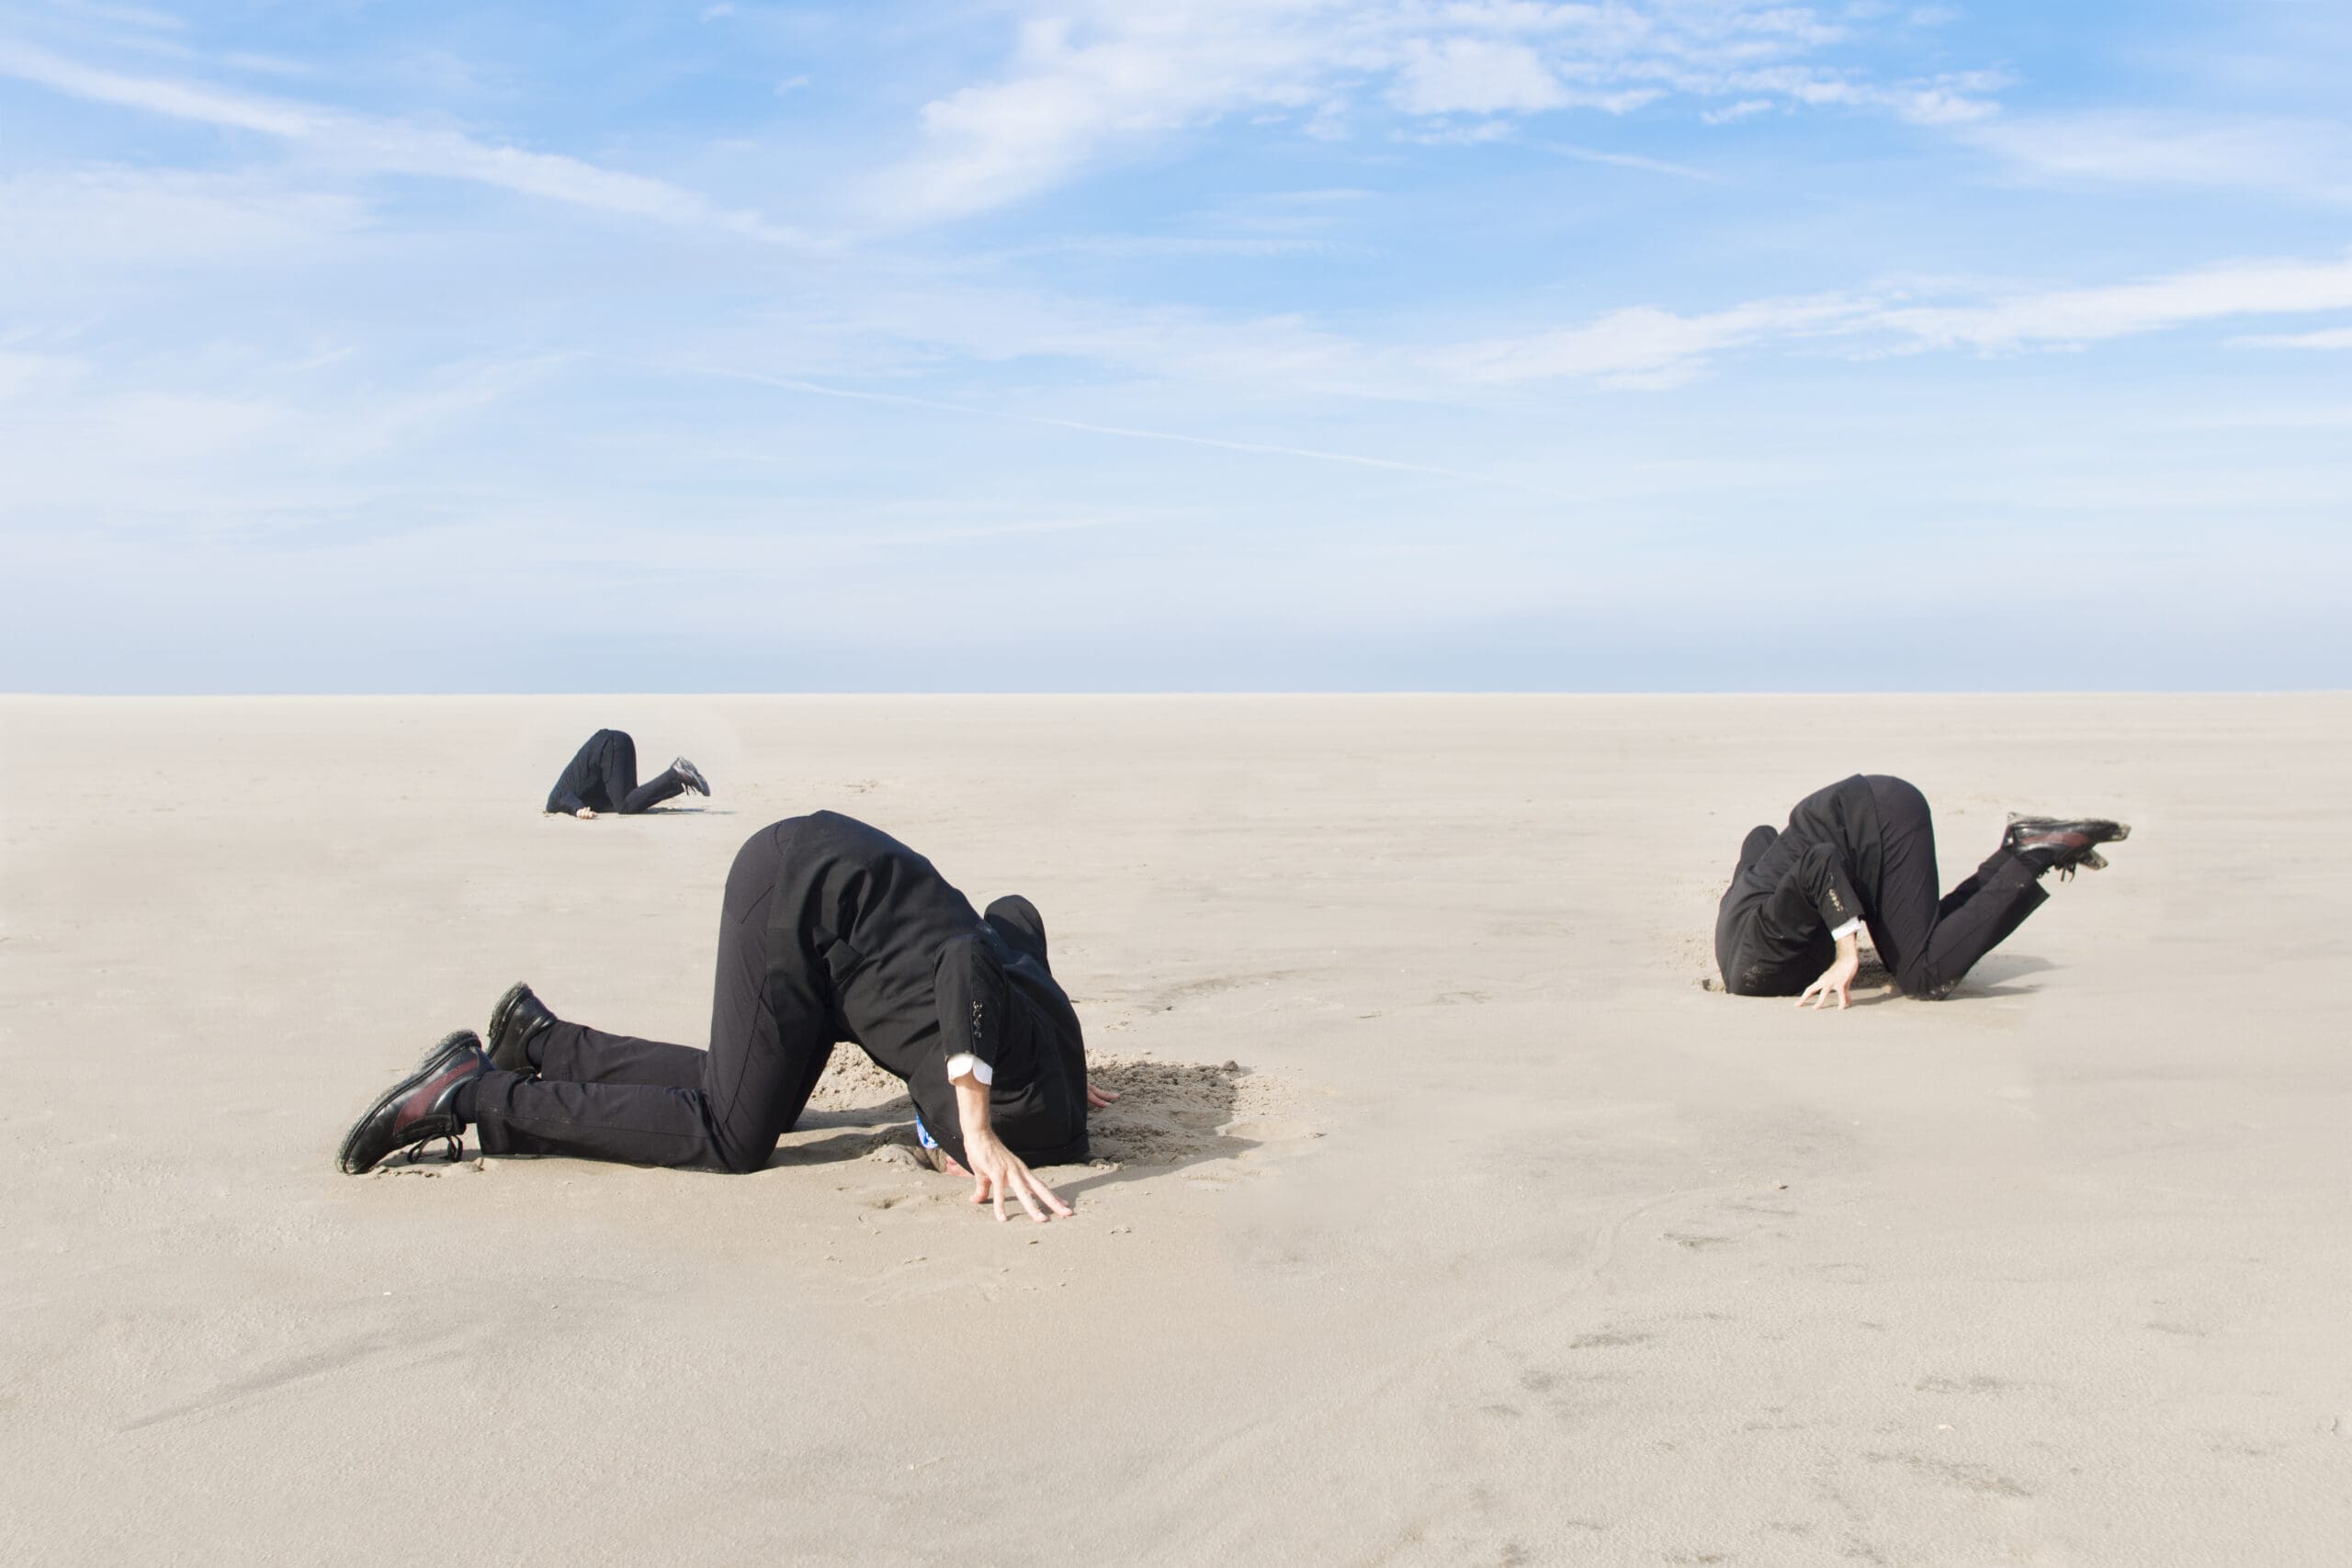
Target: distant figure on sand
[(1862, 852), (602, 777), (831, 931)]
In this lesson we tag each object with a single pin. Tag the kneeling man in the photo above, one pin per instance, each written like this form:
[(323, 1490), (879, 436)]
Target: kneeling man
[(1861, 853), (831, 931)]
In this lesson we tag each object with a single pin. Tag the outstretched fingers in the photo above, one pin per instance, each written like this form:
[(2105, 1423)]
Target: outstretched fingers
[(1816, 995), (1045, 1195), (1035, 1197)]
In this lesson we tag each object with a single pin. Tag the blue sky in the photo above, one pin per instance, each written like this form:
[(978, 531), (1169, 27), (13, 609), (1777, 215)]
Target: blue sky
[(1700, 345)]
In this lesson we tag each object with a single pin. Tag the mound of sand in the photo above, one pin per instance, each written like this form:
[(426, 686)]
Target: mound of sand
[(852, 1082)]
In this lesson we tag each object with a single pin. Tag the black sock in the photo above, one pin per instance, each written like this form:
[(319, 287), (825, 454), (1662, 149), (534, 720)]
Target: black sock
[(461, 1101)]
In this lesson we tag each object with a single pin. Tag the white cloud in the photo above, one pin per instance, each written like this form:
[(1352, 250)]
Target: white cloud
[(1093, 80), (177, 99), (1472, 75), (2069, 316), (1133, 73), (1648, 346)]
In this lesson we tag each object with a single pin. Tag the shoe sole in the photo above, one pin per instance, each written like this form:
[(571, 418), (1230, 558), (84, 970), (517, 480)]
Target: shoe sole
[(2123, 830), (432, 1064)]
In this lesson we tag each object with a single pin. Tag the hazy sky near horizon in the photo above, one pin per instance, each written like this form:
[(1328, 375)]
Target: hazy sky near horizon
[(1489, 345)]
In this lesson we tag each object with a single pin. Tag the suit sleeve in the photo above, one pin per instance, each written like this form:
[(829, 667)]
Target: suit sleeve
[(972, 997), (1823, 874)]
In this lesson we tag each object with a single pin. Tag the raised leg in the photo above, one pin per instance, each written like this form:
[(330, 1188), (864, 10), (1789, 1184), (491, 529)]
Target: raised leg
[(1929, 944)]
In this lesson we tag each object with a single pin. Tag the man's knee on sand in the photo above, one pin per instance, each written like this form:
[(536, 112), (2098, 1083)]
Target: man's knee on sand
[(744, 1159)]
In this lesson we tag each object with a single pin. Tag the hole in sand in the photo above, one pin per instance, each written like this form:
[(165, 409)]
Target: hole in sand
[(1168, 1113)]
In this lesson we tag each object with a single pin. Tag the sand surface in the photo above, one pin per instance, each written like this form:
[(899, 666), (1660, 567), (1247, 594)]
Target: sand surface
[(1501, 1240)]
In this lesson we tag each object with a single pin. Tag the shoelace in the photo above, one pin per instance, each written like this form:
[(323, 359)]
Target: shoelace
[(457, 1149), (2089, 860)]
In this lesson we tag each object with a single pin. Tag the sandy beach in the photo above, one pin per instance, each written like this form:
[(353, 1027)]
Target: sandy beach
[(1451, 1217)]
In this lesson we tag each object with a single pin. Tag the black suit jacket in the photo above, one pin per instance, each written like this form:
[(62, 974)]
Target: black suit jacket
[(916, 976), (1772, 929)]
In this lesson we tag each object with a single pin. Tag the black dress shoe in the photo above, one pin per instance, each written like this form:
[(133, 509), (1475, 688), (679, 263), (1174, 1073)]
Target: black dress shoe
[(2062, 844), (690, 777), (415, 1111), (518, 1016)]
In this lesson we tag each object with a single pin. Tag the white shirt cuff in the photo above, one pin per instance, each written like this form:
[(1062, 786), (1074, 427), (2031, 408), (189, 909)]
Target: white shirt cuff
[(1840, 934), (964, 1062)]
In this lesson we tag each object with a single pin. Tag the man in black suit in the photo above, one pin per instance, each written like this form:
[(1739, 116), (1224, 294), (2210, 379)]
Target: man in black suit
[(831, 931), (602, 777), (1862, 852)]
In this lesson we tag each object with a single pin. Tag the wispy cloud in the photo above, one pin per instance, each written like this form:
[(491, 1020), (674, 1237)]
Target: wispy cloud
[(1476, 75), (2335, 338), (2069, 316), (1127, 433), (365, 144), (1648, 346), (2309, 159), (115, 217)]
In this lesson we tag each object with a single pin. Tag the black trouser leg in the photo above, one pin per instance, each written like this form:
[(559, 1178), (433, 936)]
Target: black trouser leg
[(1928, 943), (770, 1038), (619, 764), (616, 767), (662, 786), (574, 1052)]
